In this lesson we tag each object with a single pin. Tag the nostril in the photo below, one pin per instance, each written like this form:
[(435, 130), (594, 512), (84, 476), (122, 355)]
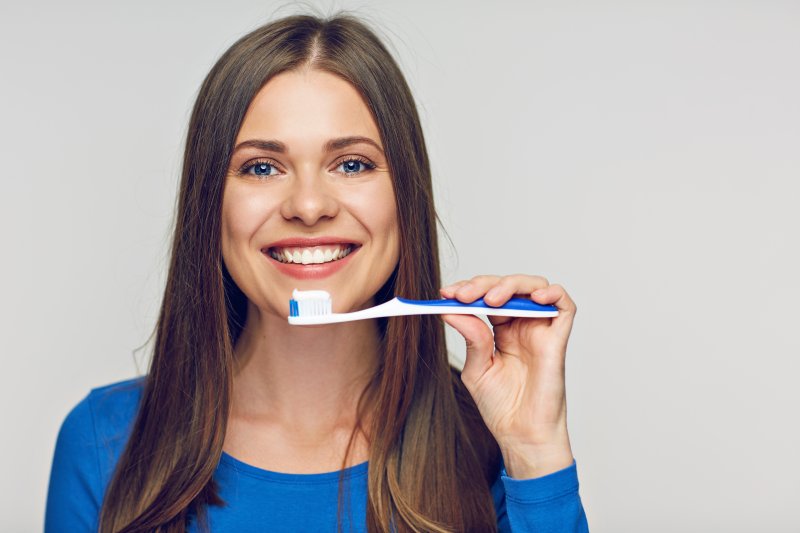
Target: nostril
[(310, 203)]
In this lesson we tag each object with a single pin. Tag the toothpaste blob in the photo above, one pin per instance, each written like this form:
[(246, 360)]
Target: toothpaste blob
[(310, 303)]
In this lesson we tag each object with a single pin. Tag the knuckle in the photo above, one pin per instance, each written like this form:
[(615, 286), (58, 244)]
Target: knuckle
[(506, 282), (482, 343), (528, 278), (512, 282)]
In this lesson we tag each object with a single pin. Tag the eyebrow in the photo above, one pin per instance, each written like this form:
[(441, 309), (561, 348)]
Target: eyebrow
[(330, 146)]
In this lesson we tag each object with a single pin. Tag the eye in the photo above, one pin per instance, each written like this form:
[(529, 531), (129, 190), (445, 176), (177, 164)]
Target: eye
[(355, 165), (259, 168)]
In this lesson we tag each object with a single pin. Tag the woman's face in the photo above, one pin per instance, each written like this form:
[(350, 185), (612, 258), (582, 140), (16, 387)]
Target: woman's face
[(308, 200)]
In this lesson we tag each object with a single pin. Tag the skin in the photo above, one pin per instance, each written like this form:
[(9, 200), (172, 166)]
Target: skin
[(515, 371), (296, 388)]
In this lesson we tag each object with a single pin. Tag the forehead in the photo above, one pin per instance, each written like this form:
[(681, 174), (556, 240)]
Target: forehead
[(305, 105)]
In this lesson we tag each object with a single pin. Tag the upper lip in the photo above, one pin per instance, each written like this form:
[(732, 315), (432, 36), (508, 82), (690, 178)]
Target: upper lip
[(308, 242)]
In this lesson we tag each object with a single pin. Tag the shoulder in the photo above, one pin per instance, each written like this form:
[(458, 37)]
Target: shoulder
[(90, 440), (106, 407), (115, 403), (102, 420), (114, 407)]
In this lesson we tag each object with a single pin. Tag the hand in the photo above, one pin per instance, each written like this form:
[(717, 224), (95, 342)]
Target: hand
[(516, 376)]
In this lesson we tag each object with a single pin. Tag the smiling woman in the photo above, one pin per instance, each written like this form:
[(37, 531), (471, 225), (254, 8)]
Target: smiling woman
[(305, 168), (309, 183)]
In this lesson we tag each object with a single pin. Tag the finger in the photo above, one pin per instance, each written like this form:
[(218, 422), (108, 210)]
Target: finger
[(480, 345), (557, 295), (448, 291), (508, 286), (499, 320), (475, 288)]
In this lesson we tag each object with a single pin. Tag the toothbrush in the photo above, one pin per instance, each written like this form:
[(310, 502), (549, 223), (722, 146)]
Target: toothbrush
[(314, 307)]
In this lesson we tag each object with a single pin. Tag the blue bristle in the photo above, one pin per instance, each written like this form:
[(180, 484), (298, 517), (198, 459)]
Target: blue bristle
[(293, 308)]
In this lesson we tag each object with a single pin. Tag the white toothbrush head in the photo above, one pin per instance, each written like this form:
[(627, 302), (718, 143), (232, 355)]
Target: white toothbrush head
[(309, 303)]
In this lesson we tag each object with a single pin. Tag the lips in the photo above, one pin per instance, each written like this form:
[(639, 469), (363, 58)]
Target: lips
[(310, 258)]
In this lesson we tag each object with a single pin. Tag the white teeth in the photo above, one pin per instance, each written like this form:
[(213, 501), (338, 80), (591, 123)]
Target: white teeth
[(308, 256)]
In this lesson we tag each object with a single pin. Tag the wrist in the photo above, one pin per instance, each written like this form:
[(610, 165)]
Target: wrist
[(528, 460)]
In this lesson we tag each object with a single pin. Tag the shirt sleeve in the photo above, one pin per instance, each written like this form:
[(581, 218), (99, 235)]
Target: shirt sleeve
[(74, 493), (547, 504)]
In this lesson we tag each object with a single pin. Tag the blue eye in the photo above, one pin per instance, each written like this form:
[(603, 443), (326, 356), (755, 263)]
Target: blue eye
[(355, 166), (259, 168)]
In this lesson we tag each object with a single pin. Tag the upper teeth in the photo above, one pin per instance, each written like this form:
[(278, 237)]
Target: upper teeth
[(312, 255)]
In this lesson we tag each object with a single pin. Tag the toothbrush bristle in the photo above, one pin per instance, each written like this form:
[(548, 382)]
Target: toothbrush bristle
[(310, 303)]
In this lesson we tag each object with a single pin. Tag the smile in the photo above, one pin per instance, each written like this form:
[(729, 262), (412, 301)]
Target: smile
[(311, 255)]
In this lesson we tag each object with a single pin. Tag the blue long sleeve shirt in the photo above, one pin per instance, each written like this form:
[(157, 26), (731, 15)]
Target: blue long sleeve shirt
[(95, 432)]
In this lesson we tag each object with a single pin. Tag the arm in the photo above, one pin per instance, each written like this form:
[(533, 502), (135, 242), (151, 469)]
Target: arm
[(74, 494), (515, 373), (547, 504)]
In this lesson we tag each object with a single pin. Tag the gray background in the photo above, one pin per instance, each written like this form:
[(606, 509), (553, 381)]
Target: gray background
[(643, 154)]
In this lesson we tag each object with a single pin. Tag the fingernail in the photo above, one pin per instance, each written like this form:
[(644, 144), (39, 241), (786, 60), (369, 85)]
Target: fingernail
[(538, 293)]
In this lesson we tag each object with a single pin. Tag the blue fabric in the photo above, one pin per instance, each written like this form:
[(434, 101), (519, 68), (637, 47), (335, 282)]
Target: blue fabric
[(95, 431)]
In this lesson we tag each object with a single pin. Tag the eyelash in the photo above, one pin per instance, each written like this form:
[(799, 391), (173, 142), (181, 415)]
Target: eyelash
[(366, 162), (363, 160)]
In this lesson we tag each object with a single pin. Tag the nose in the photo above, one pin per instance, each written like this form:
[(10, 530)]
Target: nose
[(309, 199)]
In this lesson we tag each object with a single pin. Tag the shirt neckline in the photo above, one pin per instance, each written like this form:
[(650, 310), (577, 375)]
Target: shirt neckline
[(230, 461)]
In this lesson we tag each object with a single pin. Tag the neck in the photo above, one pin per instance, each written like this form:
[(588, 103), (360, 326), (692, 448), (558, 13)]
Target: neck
[(308, 378)]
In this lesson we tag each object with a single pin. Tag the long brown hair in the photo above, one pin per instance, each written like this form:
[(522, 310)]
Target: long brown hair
[(431, 458)]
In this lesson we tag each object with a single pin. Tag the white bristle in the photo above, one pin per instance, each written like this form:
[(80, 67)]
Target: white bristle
[(312, 303)]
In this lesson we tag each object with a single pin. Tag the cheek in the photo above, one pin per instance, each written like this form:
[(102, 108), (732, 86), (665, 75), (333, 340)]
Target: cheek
[(373, 206), (384, 215), (243, 212)]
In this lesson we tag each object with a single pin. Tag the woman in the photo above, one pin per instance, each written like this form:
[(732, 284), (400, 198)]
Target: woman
[(305, 167)]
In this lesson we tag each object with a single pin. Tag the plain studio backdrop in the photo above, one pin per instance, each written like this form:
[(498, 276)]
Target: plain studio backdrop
[(645, 155)]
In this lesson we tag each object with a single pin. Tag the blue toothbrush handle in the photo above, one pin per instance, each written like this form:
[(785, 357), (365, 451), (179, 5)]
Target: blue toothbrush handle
[(519, 304)]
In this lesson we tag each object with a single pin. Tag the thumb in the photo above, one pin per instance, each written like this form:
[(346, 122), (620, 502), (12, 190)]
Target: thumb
[(480, 345)]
